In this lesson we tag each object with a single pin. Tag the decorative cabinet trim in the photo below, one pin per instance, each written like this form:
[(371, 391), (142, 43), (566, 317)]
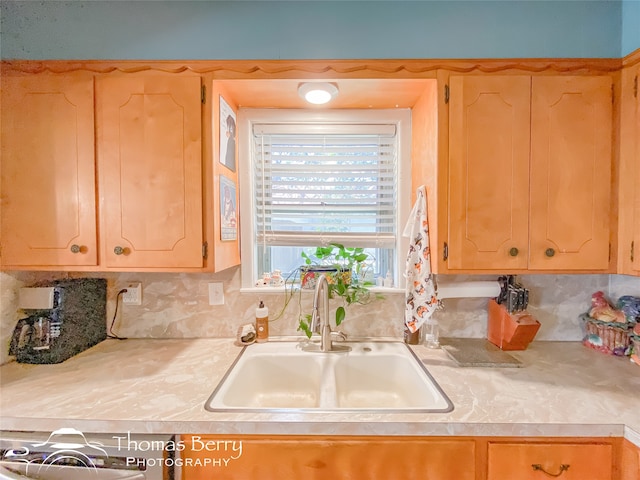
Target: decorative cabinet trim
[(364, 68), (632, 59)]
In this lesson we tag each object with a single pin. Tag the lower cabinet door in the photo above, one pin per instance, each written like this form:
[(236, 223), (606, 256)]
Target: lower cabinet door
[(326, 458), (566, 461), (630, 462)]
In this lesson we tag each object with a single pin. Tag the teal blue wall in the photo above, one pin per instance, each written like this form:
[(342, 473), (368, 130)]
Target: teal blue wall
[(314, 29), (630, 26)]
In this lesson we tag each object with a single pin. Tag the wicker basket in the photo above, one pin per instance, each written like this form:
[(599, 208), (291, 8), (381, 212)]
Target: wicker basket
[(607, 337)]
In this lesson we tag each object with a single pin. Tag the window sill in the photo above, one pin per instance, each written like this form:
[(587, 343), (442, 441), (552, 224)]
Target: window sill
[(280, 290)]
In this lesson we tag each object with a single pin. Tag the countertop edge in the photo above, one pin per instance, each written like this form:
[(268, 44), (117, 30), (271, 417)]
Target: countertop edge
[(632, 435), (296, 427)]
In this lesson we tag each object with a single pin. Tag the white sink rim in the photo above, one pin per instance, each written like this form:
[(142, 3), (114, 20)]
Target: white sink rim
[(216, 403)]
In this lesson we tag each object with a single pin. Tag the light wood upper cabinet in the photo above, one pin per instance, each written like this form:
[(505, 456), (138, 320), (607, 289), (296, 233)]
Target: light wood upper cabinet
[(629, 215), (102, 172), (48, 173), (150, 170), (529, 172), (571, 134), (489, 172), (635, 242)]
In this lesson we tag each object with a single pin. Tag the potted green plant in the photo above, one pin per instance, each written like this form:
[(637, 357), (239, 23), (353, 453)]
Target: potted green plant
[(346, 269)]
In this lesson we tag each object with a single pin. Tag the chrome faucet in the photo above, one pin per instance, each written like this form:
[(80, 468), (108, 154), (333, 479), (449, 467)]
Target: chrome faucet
[(320, 324)]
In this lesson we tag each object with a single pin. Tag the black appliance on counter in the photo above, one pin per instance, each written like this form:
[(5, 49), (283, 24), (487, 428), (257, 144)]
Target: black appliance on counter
[(64, 318)]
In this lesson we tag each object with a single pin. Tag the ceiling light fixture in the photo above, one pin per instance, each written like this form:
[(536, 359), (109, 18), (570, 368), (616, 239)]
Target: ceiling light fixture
[(318, 93)]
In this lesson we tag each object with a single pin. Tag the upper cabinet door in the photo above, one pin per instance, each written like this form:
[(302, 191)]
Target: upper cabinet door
[(489, 172), (629, 173), (635, 246), (48, 171), (571, 154), (150, 166)]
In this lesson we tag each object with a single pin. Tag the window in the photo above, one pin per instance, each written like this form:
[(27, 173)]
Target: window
[(312, 178)]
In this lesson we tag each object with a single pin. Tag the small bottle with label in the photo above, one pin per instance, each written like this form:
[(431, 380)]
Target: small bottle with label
[(262, 323)]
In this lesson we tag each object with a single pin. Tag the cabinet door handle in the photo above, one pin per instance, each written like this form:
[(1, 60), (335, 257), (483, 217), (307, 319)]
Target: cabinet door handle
[(119, 250), (75, 248), (549, 252), (563, 468), (513, 251)]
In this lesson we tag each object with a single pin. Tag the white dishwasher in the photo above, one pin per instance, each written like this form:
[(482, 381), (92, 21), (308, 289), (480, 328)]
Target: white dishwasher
[(68, 454)]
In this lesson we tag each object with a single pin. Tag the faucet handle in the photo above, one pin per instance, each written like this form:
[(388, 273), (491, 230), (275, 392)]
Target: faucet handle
[(339, 336), (314, 324)]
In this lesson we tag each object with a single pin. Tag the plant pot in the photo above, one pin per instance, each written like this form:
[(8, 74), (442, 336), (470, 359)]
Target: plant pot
[(309, 275)]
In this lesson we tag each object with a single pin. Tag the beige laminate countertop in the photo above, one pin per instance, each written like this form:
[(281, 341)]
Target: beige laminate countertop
[(160, 386)]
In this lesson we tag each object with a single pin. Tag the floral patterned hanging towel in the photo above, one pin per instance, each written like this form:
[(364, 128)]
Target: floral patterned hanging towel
[(421, 296)]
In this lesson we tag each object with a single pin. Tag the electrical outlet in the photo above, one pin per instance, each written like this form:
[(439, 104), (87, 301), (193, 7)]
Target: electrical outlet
[(216, 293), (133, 295)]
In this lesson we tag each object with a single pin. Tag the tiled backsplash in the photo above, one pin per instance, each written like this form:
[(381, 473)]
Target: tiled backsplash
[(176, 305)]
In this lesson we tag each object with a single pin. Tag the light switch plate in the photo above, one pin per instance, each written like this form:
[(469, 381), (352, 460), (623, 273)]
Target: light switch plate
[(216, 293)]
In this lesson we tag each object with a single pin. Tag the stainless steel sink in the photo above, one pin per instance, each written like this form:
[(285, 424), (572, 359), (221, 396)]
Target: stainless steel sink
[(374, 376)]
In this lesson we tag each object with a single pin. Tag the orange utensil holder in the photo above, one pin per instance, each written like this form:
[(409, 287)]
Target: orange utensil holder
[(510, 331)]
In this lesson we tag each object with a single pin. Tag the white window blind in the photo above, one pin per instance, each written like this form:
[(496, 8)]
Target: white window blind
[(316, 184)]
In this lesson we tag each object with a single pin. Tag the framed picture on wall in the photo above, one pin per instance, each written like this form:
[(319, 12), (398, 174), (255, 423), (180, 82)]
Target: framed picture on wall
[(227, 135), (228, 215)]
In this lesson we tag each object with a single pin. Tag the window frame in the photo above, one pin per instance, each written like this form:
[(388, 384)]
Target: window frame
[(248, 117)]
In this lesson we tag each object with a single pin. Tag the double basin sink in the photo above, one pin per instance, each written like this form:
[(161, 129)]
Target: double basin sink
[(373, 376)]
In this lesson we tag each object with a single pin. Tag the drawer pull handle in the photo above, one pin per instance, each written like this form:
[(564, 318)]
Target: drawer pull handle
[(563, 468)]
